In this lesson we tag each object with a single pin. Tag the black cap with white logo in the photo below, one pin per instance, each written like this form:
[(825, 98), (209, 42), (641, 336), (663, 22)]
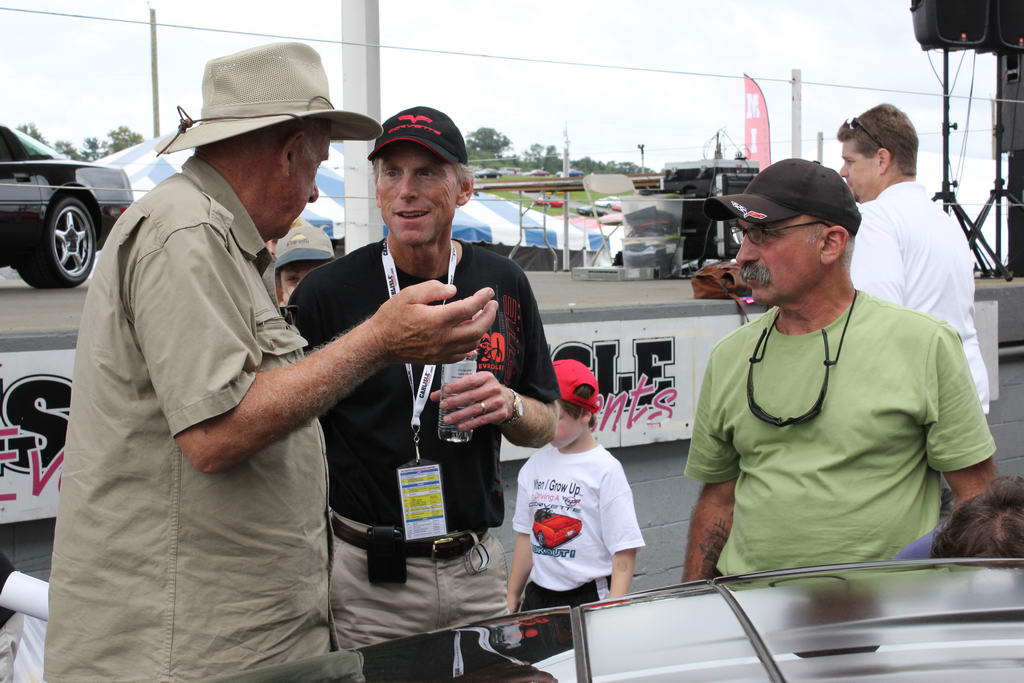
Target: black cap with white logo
[(428, 127), (788, 188)]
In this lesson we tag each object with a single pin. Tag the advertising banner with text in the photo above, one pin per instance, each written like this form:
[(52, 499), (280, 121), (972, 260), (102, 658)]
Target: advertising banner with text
[(649, 373), (35, 399), (757, 133)]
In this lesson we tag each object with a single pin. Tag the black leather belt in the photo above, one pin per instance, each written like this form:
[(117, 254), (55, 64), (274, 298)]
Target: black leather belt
[(438, 548)]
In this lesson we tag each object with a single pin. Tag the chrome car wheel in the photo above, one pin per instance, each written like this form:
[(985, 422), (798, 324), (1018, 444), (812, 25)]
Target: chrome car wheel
[(73, 243), (66, 250)]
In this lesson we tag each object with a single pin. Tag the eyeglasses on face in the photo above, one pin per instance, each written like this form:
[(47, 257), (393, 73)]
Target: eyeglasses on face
[(758, 235), (857, 124)]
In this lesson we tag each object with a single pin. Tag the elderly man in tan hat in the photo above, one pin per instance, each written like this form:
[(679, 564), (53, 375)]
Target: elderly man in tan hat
[(192, 535)]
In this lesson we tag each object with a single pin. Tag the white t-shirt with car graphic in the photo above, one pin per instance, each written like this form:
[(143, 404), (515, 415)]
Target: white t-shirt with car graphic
[(578, 510)]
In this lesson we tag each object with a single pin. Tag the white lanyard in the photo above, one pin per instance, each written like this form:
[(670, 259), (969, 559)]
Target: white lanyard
[(419, 395)]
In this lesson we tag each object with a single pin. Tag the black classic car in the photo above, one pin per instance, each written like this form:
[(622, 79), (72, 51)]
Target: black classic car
[(54, 214), (915, 621)]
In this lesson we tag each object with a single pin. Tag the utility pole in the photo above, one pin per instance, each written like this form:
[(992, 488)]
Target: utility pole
[(152, 61), (821, 147), (797, 99), (642, 167)]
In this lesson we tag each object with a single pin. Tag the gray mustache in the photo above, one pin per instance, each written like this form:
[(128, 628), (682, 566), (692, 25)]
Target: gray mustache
[(756, 272)]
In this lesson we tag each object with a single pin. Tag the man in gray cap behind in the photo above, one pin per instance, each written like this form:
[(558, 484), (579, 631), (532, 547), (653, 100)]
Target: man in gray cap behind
[(881, 398), (304, 248), (192, 533)]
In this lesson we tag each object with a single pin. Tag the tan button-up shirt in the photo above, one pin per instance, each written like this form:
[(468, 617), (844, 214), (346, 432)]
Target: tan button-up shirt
[(161, 572)]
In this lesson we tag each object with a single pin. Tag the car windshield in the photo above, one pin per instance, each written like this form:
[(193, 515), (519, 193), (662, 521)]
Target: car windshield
[(644, 638), (34, 148), (895, 621)]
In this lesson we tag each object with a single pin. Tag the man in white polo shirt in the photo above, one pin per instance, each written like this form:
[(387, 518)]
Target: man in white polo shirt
[(909, 251)]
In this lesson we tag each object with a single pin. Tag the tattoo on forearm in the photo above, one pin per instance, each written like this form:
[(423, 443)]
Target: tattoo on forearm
[(711, 547)]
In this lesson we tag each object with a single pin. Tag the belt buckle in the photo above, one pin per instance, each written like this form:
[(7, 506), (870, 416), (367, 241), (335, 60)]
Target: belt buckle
[(439, 542)]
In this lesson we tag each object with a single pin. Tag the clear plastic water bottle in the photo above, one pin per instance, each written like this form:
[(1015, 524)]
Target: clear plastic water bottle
[(449, 373)]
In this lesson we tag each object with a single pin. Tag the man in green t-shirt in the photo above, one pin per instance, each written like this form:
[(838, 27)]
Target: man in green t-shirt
[(822, 426)]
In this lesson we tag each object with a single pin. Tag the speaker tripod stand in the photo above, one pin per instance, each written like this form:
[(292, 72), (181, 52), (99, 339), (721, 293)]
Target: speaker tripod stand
[(989, 263)]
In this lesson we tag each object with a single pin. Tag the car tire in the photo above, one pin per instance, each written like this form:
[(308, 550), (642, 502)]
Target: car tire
[(65, 255), (539, 535)]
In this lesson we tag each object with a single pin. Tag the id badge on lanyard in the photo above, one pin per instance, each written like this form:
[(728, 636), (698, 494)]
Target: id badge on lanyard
[(419, 481), (419, 486)]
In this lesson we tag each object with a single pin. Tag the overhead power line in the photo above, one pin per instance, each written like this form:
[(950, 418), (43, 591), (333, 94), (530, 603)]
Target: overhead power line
[(481, 55)]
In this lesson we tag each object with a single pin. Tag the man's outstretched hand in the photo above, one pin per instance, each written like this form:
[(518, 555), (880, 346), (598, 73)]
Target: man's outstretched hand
[(410, 330)]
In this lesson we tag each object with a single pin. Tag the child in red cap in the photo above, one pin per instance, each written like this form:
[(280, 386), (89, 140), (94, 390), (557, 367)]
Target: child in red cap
[(577, 532)]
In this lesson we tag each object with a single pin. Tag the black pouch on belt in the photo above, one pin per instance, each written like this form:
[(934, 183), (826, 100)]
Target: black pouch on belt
[(385, 555)]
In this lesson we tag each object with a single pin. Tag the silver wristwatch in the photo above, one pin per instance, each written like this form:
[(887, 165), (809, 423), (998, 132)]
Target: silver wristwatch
[(517, 409)]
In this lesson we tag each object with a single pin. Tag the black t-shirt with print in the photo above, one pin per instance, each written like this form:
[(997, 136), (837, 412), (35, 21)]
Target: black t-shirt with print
[(368, 433)]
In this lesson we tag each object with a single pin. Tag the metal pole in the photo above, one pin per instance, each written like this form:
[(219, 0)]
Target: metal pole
[(642, 167), (795, 125), (153, 69), (997, 141), (360, 26), (821, 147), (566, 252), (945, 130)]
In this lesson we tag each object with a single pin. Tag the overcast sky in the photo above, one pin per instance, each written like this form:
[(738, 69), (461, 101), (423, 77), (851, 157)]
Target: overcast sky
[(76, 77)]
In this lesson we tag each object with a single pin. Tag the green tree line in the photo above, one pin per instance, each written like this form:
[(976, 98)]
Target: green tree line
[(91, 148), (487, 147), (490, 148)]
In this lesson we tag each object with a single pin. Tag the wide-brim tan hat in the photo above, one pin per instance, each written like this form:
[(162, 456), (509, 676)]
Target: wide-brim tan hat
[(260, 87)]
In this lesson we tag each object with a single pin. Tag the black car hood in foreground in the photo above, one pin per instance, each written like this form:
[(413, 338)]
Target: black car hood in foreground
[(928, 620)]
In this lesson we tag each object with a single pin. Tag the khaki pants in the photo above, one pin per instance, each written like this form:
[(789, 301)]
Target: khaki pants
[(436, 595), (336, 667)]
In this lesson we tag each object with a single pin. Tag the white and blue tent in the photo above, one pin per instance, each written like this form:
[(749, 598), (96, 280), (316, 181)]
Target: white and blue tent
[(485, 218)]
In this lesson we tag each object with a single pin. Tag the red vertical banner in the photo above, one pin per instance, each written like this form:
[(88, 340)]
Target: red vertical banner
[(757, 134)]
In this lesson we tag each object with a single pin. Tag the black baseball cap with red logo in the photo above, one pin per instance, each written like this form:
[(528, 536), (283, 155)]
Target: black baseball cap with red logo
[(787, 188), (428, 127)]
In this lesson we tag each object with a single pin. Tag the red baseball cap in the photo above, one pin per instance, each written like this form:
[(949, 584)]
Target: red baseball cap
[(571, 374)]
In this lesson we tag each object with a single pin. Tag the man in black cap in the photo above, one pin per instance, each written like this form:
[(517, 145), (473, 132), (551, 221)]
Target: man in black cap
[(399, 569), (822, 426)]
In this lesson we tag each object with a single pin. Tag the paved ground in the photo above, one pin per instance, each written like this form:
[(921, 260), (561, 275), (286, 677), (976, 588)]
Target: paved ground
[(24, 309)]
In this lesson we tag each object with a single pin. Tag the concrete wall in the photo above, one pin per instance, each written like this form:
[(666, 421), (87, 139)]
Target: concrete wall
[(28, 545), (1006, 416)]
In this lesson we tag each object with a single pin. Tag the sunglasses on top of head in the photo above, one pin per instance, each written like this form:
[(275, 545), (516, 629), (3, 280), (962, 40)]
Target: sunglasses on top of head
[(857, 124)]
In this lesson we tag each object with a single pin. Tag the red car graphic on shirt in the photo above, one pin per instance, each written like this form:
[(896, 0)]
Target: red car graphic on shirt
[(553, 530)]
